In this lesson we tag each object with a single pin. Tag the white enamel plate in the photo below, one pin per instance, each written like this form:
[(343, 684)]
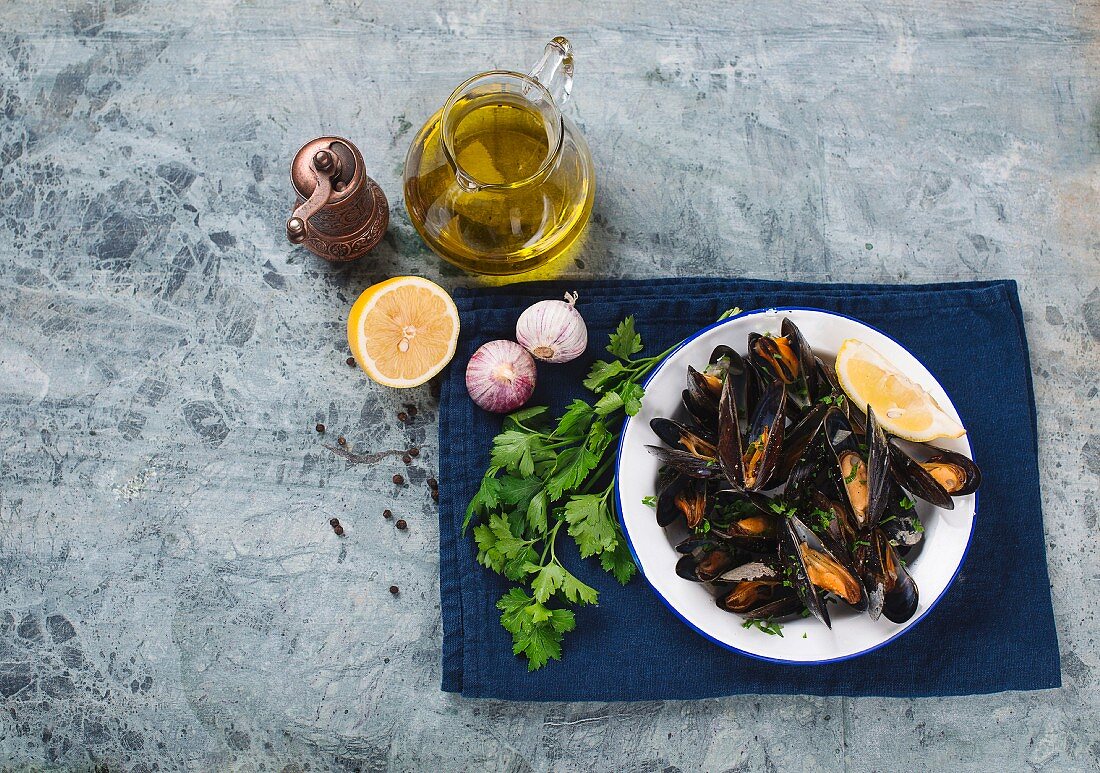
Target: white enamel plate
[(947, 532)]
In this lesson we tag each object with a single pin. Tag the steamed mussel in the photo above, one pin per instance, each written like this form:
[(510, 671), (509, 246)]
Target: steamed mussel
[(797, 502)]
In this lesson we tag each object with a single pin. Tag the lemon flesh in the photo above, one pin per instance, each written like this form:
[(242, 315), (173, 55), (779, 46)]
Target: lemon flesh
[(403, 331), (902, 406)]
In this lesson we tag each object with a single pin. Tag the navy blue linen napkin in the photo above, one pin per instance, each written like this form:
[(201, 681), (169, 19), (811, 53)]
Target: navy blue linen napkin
[(992, 631)]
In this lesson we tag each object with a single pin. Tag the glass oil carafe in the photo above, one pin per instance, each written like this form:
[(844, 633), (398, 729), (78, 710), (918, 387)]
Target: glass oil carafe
[(498, 181)]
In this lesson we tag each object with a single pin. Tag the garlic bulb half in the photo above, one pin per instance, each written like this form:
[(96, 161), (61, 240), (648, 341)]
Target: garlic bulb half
[(553, 331)]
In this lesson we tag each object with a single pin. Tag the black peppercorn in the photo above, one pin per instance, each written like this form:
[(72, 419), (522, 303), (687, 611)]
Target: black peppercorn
[(341, 440), (407, 459), (387, 513), (336, 527), (433, 483), (414, 451), (351, 361), (394, 590), (398, 479), (401, 524), (402, 417), (320, 427)]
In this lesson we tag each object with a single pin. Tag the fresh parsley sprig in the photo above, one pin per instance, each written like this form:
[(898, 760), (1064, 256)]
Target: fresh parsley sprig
[(545, 477)]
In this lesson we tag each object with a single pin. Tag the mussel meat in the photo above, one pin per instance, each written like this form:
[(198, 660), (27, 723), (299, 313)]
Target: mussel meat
[(820, 567), (862, 475)]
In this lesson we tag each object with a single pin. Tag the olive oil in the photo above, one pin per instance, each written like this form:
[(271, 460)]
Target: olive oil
[(517, 194)]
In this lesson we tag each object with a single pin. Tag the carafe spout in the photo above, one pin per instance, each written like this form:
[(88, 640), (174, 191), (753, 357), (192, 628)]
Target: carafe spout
[(555, 69)]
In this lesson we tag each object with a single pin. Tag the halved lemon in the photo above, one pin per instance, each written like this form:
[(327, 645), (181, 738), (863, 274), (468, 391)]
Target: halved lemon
[(902, 406), (403, 331)]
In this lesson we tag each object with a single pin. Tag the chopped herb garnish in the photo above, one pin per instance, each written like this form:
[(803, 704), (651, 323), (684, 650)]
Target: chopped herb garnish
[(917, 525), (803, 636), (650, 501), (906, 503), (852, 474), (859, 542), (824, 517), (765, 626)]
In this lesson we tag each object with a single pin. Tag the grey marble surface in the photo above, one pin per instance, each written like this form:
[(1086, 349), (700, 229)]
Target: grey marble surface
[(171, 595)]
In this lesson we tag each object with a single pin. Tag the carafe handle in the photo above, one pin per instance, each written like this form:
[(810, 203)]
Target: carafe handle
[(555, 69)]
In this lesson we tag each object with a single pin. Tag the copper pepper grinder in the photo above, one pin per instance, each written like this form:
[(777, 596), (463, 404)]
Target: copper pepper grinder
[(340, 213)]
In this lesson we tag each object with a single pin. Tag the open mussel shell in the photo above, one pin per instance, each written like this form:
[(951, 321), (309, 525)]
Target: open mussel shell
[(917, 480), (763, 599), (822, 567), (748, 462), (891, 589), (745, 519), (680, 495), (706, 565), (965, 476), (689, 464), (694, 440), (795, 440), (861, 476), (704, 384)]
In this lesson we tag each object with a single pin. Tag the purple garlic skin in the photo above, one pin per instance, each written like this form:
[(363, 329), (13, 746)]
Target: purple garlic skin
[(553, 331), (500, 376)]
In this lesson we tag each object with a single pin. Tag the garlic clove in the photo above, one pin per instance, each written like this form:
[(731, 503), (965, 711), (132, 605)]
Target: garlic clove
[(553, 331)]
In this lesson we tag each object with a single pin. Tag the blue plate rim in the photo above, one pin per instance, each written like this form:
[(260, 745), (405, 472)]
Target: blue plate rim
[(671, 607)]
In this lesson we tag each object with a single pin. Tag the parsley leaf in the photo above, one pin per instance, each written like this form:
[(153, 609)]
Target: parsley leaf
[(575, 421), (649, 501), (591, 523), (602, 374), (548, 580), (632, 395), (624, 342), (619, 561), (577, 592)]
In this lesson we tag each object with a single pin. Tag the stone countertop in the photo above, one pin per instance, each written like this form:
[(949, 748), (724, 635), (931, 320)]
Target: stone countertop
[(171, 595)]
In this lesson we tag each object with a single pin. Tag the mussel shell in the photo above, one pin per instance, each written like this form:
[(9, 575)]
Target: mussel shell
[(695, 440), (802, 481), (971, 471), (878, 469), (795, 440), (841, 439), (669, 483), (800, 534), (902, 596), (704, 385), (697, 542), (760, 598), (791, 561), (703, 412), (769, 358), (770, 416), (758, 569), (689, 464), (917, 480), (891, 589), (757, 532), (705, 565)]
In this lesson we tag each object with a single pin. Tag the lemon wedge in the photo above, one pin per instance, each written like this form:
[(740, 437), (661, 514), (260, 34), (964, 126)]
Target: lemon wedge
[(902, 406), (403, 331)]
